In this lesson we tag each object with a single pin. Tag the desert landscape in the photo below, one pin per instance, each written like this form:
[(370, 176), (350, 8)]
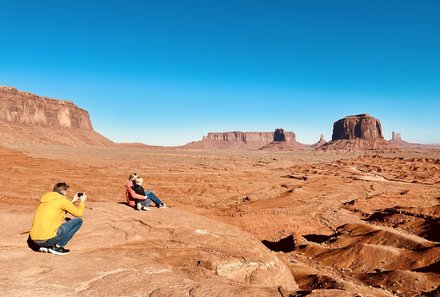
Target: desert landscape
[(250, 214)]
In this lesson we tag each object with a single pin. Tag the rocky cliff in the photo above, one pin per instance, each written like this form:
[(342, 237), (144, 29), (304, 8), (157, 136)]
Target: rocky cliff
[(361, 126), (360, 132), (250, 137), (29, 119), (24, 108), (242, 140)]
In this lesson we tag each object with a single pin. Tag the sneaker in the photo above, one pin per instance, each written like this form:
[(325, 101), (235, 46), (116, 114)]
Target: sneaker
[(146, 208), (163, 205), (43, 249), (138, 206), (58, 250)]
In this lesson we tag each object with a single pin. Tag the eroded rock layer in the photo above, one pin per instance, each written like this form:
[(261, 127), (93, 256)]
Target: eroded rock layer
[(25, 108), (361, 126), (27, 120), (242, 140)]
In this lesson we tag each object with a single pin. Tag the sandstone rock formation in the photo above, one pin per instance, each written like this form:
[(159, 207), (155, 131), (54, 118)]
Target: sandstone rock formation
[(164, 253), (399, 142), (29, 118), (320, 142), (242, 140), (24, 108), (361, 126), (282, 142), (360, 132)]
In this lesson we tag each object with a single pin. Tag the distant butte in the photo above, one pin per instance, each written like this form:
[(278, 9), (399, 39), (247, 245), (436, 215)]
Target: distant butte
[(358, 133)]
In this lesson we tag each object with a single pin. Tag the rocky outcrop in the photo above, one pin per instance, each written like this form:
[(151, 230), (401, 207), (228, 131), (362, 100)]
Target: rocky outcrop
[(397, 140), (360, 132), (242, 140), (249, 137), (361, 126), (163, 254), (27, 119), (24, 108), (320, 142)]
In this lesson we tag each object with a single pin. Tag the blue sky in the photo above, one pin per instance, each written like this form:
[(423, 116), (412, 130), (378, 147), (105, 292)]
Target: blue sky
[(169, 72)]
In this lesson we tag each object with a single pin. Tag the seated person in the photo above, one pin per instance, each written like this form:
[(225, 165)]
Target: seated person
[(139, 199)]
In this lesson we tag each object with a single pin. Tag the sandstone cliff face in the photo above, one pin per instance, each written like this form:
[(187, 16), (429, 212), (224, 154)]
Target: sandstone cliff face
[(247, 137), (27, 119), (24, 108), (358, 133), (361, 126), (242, 140)]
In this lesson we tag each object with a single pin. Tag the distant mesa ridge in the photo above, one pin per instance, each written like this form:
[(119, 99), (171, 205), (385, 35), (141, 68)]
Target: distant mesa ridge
[(244, 140), (245, 137)]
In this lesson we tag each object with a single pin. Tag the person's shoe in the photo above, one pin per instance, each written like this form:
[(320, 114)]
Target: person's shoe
[(43, 249), (58, 250), (146, 208), (138, 206), (163, 205)]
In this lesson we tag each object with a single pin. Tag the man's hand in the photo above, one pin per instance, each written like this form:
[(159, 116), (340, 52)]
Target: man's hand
[(75, 198), (83, 198)]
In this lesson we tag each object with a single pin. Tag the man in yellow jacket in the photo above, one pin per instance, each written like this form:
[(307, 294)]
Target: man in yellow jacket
[(50, 232)]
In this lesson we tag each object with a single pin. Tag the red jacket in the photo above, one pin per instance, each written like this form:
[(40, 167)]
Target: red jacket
[(130, 194)]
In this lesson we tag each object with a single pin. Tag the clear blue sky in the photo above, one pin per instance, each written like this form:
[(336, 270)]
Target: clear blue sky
[(168, 72)]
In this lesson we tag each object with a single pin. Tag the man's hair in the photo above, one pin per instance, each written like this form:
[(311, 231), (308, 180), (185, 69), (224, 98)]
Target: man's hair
[(60, 187)]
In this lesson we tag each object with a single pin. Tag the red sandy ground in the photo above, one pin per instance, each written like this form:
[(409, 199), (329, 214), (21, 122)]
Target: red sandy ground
[(332, 224)]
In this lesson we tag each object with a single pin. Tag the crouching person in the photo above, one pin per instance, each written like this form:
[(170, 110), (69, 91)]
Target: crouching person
[(50, 232)]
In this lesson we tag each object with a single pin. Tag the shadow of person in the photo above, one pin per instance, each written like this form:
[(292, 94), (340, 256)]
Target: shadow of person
[(32, 244)]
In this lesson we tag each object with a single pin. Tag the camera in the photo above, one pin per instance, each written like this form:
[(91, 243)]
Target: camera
[(80, 194)]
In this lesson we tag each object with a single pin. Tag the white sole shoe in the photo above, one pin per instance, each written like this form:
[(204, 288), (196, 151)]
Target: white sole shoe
[(57, 252), (43, 249)]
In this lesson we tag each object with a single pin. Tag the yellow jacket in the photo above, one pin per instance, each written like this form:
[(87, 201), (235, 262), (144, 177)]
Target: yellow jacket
[(50, 214)]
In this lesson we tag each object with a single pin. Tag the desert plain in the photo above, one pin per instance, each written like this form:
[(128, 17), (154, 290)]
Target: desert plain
[(239, 223)]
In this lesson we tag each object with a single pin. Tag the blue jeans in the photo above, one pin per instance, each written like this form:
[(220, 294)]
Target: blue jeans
[(150, 197), (64, 234)]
